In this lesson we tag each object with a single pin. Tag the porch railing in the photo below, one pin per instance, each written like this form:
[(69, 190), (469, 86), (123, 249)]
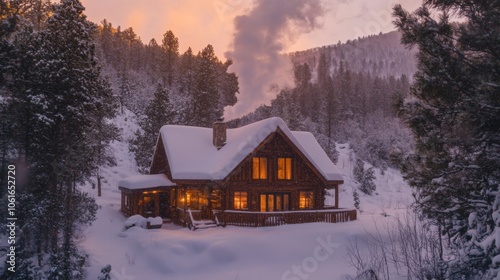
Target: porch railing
[(185, 217), (256, 219)]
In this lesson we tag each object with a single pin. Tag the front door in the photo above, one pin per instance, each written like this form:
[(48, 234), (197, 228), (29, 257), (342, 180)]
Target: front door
[(149, 206), (270, 202), (165, 205)]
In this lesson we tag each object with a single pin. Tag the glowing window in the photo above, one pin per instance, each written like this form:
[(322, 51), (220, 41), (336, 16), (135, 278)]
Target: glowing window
[(240, 200), (306, 200), (284, 168), (259, 168)]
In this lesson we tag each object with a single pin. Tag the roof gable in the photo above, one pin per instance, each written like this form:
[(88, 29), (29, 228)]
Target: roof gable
[(192, 156)]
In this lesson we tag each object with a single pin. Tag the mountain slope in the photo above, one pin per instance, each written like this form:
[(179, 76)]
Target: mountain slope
[(381, 55)]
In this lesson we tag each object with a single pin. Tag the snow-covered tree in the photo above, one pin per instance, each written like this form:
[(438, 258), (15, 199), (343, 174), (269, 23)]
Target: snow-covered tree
[(355, 196), (454, 112), (364, 177), (159, 112), (58, 98), (206, 105)]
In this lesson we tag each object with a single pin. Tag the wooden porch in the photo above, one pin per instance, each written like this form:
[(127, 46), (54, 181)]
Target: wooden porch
[(266, 219), (191, 218)]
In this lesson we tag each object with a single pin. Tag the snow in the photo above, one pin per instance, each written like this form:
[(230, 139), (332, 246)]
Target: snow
[(135, 220), (192, 155), (140, 221), (156, 221), (318, 250), (137, 182)]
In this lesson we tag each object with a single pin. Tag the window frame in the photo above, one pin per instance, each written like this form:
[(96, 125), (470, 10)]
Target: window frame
[(308, 201), (284, 201), (260, 168), (287, 168), (239, 194)]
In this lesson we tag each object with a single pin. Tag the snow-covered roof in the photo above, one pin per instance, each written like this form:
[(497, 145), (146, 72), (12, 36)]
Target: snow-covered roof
[(138, 182), (192, 155)]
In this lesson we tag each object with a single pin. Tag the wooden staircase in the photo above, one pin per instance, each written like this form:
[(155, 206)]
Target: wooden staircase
[(199, 224)]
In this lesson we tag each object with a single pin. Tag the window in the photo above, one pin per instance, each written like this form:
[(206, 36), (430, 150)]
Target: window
[(274, 202), (240, 200), (259, 168), (193, 199), (306, 200), (196, 199), (284, 168)]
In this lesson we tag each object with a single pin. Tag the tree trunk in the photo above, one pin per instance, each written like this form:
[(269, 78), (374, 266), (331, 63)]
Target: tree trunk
[(99, 185)]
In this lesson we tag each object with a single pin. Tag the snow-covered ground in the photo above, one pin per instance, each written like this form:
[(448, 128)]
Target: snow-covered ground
[(303, 251)]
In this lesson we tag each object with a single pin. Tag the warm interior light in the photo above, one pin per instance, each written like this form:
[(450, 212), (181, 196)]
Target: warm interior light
[(240, 200), (306, 200), (284, 168), (259, 168), (237, 202), (288, 169)]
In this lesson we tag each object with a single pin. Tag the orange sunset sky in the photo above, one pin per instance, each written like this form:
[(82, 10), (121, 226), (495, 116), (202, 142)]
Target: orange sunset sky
[(265, 29), (200, 22)]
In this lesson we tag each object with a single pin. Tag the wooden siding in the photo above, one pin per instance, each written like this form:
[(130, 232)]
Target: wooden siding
[(304, 178)]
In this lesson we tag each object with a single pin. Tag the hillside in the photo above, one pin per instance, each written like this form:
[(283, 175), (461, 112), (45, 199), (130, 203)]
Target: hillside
[(380, 55)]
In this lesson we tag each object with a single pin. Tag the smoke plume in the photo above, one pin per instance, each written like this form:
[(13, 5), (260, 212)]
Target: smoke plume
[(261, 37)]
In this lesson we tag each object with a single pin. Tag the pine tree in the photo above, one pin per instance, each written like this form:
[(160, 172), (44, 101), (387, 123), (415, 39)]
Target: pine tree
[(359, 170), (187, 72), (367, 185), (58, 97), (159, 112), (8, 24), (454, 113), (206, 100), (154, 54), (364, 178), (102, 132), (170, 47), (329, 106), (355, 196)]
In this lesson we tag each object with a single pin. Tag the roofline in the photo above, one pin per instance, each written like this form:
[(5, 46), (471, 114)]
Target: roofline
[(160, 188), (154, 152), (307, 161)]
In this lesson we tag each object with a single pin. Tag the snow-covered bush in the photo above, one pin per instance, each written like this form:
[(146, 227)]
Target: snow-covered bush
[(135, 220), (105, 271), (140, 221)]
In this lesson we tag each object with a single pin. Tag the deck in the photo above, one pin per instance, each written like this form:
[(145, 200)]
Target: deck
[(259, 219), (192, 218)]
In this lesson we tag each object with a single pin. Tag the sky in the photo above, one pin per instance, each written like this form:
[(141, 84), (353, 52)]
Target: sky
[(200, 22), (254, 33)]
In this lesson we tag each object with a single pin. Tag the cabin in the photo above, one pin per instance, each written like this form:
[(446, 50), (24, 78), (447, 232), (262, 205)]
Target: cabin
[(260, 174)]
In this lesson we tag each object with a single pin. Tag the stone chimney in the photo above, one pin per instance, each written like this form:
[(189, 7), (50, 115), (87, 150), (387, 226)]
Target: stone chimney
[(219, 132)]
